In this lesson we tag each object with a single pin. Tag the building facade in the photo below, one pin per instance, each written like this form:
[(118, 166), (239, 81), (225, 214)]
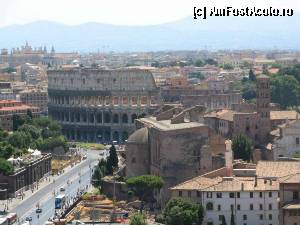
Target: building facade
[(37, 98), (9, 108), (100, 105)]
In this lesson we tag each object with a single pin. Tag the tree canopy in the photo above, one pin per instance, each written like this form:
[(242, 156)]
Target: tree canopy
[(138, 219), (180, 211), (144, 185), (112, 160), (6, 167), (242, 147)]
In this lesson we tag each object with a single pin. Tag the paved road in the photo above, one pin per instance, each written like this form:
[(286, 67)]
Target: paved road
[(79, 177)]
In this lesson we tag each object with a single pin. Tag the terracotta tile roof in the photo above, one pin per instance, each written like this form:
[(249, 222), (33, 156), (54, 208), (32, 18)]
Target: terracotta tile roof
[(291, 179), (277, 168), (282, 115), (244, 184), (197, 183)]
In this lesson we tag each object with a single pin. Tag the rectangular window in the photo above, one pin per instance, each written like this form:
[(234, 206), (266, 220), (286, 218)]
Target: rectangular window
[(260, 207), (220, 217), (238, 194), (251, 206), (219, 207), (261, 216), (270, 206), (295, 195), (297, 140), (270, 194), (244, 217), (189, 194), (270, 216), (238, 207), (231, 207), (251, 194), (198, 194), (219, 195), (260, 194), (180, 193), (231, 195)]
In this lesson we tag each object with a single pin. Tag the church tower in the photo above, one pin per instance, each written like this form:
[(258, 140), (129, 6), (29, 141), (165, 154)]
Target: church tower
[(263, 99)]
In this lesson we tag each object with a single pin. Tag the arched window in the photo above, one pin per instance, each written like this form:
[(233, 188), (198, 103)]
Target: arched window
[(107, 118), (116, 136), (116, 118), (91, 118), (124, 136), (209, 206), (99, 117), (133, 117), (124, 118)]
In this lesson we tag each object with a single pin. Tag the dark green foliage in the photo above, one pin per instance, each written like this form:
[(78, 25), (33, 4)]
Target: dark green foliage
[(197, 75), (199, 63), (99, 173), (6, 150), (30, 129), (242, 147), (144, 185), (9, 70), (6, 167), (17, 121), (211, 62), (112, 160), (138, 219), (285, 90), (20, 139), (252, 76), (227, 66), (180, 211)]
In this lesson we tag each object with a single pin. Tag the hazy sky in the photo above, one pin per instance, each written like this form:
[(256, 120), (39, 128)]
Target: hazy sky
[(124, 12)]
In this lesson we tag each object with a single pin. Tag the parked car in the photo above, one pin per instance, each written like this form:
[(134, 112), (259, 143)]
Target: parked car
[(28, 218), (62, 189)]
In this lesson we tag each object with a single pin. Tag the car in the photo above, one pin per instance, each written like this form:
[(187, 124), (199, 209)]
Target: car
[(84, 157), (38, 210), (28, 218), (62, 189)]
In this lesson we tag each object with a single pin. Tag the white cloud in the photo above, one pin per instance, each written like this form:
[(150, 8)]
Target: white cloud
[(125, 12)]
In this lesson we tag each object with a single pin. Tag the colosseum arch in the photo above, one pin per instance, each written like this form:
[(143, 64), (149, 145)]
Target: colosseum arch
[(91, 118), (107, 117), (77, 117), (99, 135), (124, 136), (99, 117), (107, 135), (124, 118), (116, 136), (133, 117), (116, 118)]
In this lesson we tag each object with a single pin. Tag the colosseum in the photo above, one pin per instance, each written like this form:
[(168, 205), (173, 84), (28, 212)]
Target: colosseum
[(100, 105)]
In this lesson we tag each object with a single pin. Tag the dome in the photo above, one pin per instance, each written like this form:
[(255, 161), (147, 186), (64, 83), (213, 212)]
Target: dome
[(140, 136)]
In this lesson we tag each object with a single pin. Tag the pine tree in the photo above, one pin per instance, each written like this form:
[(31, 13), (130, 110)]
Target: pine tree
[(113, 157), (252, 76)]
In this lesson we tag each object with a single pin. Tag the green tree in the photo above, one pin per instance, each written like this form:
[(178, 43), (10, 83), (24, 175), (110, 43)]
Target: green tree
[(20, 139), (6, 150), (17, 121), (99, 173), (112, 160), (143, 186), (199, 63), (30, 129), (252, 76), (242, 147), (179, 211), (138, 219), (6, 167), (227, 66), (285, 90), (211, 62)]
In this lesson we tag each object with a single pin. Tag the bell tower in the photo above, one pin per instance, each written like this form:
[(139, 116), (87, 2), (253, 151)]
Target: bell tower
[(263, 99)]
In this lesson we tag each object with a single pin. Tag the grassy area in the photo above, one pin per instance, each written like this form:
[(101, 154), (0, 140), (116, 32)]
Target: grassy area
[(93, 146)]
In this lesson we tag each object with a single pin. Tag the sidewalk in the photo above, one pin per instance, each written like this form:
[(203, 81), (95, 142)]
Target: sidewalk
[(13, 202)]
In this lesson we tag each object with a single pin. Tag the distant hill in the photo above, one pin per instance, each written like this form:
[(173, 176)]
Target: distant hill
[(185, 34)]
